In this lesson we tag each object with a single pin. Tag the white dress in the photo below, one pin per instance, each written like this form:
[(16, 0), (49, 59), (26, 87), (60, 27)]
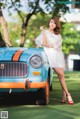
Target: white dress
[(55, 54)]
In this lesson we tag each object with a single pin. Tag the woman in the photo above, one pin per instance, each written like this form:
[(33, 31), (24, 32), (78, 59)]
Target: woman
[(51, 40)]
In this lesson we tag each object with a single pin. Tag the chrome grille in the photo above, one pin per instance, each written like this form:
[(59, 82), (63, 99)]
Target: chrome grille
[(13, 69)]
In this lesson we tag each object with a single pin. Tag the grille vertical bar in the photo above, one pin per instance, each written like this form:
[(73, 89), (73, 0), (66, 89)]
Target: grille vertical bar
[(13, 69)]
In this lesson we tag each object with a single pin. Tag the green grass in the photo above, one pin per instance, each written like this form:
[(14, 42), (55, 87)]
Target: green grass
[(55, 110)]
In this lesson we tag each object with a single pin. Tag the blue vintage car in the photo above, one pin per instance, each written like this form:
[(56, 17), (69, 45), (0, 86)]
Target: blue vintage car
[(25, 69)]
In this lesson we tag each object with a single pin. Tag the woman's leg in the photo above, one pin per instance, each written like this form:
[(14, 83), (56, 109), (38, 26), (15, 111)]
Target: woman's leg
[(60, 73), (64, 96)]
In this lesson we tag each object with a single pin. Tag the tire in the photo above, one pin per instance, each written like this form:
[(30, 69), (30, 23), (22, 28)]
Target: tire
[(42, 97), (49, 78), (50, 88)]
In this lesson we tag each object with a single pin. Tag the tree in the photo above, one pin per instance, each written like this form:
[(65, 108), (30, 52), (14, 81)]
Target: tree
[(4, 28), (53, 7), (71, 38), (33, 28), (35, 8), (32, 31)]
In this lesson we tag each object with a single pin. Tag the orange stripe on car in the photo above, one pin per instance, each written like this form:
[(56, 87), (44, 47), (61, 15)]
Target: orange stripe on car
[(12, 85), (22, 85), (37, 85), (17, 55)]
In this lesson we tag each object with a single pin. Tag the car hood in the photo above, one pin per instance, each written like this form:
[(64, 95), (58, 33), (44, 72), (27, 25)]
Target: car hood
[(18, 54)]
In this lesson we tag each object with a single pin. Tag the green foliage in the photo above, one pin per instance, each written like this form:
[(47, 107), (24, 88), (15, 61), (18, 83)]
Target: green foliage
[(34, 7), (14, 31), (54, 7), (34, 27), (70, 35), (60, 7), (71, 38)]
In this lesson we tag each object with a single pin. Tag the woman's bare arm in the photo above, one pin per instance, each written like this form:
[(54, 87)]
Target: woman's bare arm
[(43, 31)]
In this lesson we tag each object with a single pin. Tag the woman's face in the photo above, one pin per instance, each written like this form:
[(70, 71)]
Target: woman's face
[(52, 24)]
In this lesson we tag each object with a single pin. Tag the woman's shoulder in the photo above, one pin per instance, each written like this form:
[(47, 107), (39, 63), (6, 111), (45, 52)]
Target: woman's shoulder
[(58, 35)]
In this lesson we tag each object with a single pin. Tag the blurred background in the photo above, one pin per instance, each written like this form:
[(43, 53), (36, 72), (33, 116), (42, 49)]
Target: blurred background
[(20, 22)]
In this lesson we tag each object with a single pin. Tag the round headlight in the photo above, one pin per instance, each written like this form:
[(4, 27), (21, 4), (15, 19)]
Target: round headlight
[(36, 61)]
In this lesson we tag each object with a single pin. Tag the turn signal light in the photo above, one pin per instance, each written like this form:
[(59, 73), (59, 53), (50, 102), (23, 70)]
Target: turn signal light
[(36, 73)]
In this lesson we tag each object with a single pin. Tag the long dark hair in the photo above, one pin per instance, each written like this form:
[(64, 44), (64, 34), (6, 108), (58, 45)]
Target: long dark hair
[(57, 29)]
